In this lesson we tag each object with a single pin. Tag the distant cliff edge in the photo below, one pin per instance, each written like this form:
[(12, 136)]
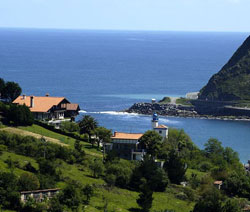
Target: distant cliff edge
[(227, 93), (232, 82)]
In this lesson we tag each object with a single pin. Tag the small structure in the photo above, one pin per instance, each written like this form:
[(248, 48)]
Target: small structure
[(46, 107), (218, 184), (192, 95), (39, 195), (162, 130)]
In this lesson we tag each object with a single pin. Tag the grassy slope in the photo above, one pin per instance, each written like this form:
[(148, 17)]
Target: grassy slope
[(117, 199), (64, 139)]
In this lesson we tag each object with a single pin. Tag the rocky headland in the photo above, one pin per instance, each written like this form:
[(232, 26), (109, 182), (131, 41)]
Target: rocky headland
[(226, 95)]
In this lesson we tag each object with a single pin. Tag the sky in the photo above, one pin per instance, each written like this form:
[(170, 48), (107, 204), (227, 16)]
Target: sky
[(167, 15)]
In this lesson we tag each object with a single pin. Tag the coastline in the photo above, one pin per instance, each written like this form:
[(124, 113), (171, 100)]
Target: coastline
[(181, 111)]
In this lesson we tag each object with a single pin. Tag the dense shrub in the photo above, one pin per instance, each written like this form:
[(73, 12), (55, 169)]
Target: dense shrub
[(19, 115), (119, 172)]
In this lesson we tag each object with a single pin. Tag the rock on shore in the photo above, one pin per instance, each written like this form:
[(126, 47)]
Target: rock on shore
[(163, 109)]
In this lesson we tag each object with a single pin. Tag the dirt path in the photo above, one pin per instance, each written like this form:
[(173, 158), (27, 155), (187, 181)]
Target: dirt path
[(27, 133)]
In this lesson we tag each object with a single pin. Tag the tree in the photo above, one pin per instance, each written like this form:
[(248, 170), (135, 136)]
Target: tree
[(87, 125), (237, 183), (28, 182), (88, 191), (11, 91), (47, 167), (152, 141), (175, 167), (145, 197), (211, 200), (103, 135), (231, 205), (55, 205), (2, 86), (78, 146), (213, 147), (156, 178), (70, 196), (70, 126), (122, 170), (97, 167), (20, 115), (9, 195)]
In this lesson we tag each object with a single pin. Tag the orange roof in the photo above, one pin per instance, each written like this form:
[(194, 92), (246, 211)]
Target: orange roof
[(70, 106), (125, 136), (41, 103), (218, 182), (162, 126)]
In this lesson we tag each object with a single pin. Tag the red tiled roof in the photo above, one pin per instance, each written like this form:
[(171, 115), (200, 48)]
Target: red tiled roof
[(126, 136), (41, 103), (70, 106), (218, 182)]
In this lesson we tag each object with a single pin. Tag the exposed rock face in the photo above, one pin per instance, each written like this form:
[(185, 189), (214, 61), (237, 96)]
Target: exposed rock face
[(232, 82), (163, 109)]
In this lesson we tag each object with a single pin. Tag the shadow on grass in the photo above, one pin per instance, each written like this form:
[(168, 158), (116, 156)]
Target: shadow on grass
[(135, 210)]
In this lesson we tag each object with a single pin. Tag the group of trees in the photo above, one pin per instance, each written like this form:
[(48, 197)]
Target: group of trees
[(17, 115), (9, 91)]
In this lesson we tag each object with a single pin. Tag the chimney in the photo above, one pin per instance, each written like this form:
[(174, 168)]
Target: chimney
[(47, 94), (24, 96), (32, 104), (115, 133)]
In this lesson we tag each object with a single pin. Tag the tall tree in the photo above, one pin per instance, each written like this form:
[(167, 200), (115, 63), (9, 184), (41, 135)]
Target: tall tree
[(87, 125), (152, 141), (20, 115), (28, 182), (11, 91), (175, 167), (145, 199), (2, 86), (210, 201), (103, 135)]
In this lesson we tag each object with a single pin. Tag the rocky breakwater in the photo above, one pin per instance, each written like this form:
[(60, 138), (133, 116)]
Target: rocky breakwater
[(163, 109)]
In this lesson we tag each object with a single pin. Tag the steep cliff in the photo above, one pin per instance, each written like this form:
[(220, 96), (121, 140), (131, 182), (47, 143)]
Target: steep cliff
[(232, 82)]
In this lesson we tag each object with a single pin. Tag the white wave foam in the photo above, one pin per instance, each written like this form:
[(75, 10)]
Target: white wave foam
[(82, 111), (115, 113), (126, 114)]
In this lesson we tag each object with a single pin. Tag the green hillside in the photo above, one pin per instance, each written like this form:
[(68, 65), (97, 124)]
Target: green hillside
[(115, 198), (232, 82)]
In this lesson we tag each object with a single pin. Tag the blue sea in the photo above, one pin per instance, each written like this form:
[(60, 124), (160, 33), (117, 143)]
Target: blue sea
[(108, 71)]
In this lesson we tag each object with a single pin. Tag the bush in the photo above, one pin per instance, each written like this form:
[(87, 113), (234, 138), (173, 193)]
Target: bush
[(20, 115), (97, 168), (70, 126), (205, 166), (28, 182), (122, 170)]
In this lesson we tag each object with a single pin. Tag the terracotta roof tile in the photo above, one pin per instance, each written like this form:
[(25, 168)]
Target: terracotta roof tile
[(41, 103), (125, 136), (70, 106), (218, 182)]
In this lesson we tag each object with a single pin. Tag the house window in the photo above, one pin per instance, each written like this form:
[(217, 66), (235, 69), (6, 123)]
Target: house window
[(160, 131)]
